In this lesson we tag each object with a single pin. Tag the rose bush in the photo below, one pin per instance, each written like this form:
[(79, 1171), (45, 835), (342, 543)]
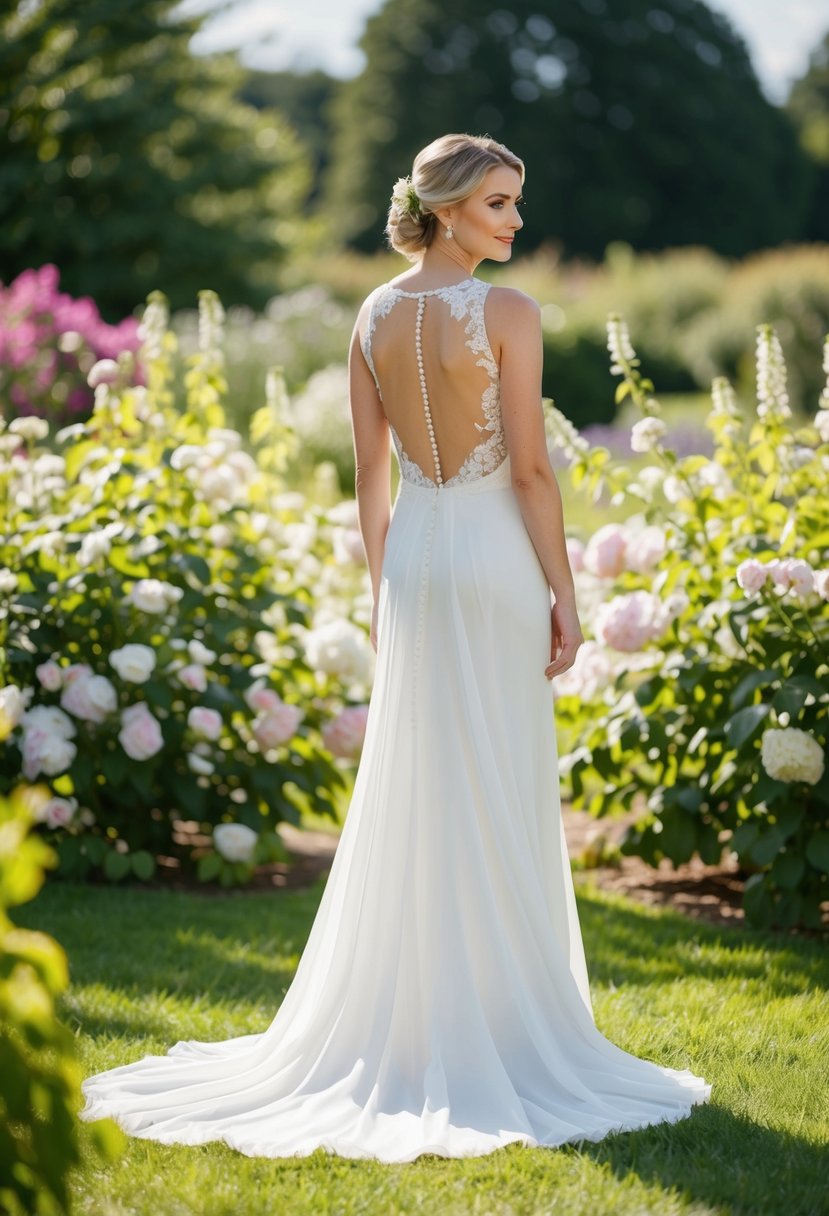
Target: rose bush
[(178, 632), (54, 349), (704, 679)]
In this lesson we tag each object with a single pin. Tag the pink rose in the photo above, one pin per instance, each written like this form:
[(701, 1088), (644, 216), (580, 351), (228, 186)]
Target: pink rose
[(50, 676), (194, 677), (140, 733), (205, 722), (629, 622), (276, 726), (345, 734), (575, 554)]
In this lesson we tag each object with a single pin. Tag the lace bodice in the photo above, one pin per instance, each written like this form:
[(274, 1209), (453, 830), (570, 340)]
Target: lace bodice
[(466, 303)]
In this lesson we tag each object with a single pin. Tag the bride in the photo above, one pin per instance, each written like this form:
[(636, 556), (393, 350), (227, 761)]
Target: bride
[(441, 1004)]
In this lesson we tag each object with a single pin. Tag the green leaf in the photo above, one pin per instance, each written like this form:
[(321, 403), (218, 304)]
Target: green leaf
[(208, 866), (116, 865), (817, 851), (767, 846), (678, 837), (788, 869), (751, 682), (743, 725), (757, 901), (143, 864)]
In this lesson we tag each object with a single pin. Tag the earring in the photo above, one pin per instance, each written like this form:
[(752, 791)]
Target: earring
[(450, 232)]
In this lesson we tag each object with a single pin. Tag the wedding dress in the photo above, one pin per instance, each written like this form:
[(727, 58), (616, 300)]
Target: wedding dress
[(441, 1004)]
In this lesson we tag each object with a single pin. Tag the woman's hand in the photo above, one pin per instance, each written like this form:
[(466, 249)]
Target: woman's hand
[(566, 639), (373, 631)]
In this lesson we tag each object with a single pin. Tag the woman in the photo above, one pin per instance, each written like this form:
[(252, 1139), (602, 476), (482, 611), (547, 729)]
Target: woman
[(441, 1004)]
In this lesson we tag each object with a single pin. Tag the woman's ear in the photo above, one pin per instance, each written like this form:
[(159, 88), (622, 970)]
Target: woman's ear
[(444, 215)]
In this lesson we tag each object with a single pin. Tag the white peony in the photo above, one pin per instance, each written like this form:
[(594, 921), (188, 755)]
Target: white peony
[(645, 549), (93, 546), (339, 649), (235, 841), (50, 675), (134, 662), (140, 734), (790, 754), (199, 653)]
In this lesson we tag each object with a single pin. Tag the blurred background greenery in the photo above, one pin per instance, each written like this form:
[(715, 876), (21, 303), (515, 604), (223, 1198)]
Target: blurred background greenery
[(663, 182)]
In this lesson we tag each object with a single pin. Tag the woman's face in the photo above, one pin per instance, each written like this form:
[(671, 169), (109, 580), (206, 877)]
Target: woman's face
[(486, 222)]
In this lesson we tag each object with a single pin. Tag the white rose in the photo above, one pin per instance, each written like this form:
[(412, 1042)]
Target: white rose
[(790, 754), (134, 662), (50, 719), (339, 649), (199, 653), (153, 595), (752, 575), (89, 697), (822, 581), (235, 841), (198, 764), (13, 702)]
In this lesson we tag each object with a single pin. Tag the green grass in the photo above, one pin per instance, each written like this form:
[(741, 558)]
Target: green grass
[(748, 1010)]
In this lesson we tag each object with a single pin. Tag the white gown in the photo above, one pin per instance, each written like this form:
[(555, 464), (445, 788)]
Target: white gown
[(441, 1004)]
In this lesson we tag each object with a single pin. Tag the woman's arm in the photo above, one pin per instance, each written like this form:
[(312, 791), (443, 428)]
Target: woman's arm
[(372, 457), (514, 322)]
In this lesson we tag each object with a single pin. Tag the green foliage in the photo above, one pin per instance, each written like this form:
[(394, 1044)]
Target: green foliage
[(157, 531), (131, 163), (41, 1076), (808, 106), (692, 725), (625, 121)]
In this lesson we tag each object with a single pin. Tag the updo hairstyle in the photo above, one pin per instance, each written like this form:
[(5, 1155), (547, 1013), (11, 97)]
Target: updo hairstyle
[(445, 172)]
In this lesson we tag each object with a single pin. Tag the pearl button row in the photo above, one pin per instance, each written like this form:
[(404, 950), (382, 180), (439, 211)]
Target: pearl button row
[(421, 305)]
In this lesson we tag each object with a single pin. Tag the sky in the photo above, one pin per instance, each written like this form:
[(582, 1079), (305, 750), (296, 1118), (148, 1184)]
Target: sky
[(277, 34)]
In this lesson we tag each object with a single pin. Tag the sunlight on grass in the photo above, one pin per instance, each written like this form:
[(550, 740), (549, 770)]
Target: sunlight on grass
[(745, 1009)]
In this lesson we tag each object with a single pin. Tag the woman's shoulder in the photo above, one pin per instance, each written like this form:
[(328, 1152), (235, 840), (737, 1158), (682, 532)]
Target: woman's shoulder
[(512, 303)]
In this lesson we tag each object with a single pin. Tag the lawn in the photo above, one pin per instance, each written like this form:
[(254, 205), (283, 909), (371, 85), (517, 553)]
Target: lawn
[(748, 1010)]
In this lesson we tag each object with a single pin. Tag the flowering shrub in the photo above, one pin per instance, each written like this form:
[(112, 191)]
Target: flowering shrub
[(49, 343), (167, 668), (41, 1088), (704, 679)]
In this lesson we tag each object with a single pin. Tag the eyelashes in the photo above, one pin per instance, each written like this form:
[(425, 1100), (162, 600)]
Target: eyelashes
[(519, 203)]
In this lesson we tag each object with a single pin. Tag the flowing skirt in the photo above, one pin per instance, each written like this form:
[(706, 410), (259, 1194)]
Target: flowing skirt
[(441, 1004)]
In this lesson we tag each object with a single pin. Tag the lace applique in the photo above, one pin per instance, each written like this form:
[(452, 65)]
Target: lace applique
[(465, 300)]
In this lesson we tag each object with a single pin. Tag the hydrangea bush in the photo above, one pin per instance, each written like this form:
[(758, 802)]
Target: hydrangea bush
[(704, 678), (184, 643), (49, 343)]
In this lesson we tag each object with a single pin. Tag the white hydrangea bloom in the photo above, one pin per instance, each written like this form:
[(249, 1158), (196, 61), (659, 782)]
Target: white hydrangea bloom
[(790, 754)]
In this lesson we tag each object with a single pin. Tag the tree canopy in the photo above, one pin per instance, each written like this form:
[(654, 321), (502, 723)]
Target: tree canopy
[(808, 105), (132, 164), (638, 121)]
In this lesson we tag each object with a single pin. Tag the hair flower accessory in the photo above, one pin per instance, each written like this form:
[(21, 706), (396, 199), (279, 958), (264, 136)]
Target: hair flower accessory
[(404, 197)]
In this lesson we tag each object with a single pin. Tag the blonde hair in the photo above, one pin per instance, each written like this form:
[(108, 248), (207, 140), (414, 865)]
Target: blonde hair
[(445, 172)]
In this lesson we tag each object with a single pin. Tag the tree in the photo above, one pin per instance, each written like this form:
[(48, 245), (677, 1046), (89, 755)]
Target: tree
[(305, 100), (131, 163), (808, 105), (637, 122)]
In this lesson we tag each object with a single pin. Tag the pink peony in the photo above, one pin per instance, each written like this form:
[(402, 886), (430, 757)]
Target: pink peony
[(58, 812), (140, 733), (575, 554), (606, 550), (630, 622), (345, 734), (261, 698)]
